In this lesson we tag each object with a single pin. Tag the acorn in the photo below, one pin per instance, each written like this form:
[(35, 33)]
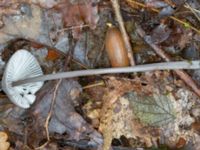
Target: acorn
[(115, 48)]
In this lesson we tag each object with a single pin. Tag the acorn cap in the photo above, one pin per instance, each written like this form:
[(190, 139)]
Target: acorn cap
[(21, 65)]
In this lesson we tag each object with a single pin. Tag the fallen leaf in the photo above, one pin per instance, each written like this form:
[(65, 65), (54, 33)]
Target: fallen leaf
[(196, 127), (160, 34), (155, 110), (181, 143), (116, 121), (79, 14), (117, 118), (4, 145), (64, 118), (28, 25), (52, 55)]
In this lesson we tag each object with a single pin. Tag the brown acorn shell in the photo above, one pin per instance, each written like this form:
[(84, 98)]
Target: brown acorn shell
[(115, 48)]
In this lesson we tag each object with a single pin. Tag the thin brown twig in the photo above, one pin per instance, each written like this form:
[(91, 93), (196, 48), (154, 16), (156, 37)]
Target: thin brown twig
[(46, 125), (42, 146), (73, 27), (51, 109), (186, 24), (79, 63), (192, 10), (99, 55), (196, 10), (182, 74), (119, 18)]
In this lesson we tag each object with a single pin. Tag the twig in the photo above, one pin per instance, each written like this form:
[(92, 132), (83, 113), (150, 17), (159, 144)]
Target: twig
[(182, 74), (46, 125), (192, 10), (101, 83), (196, 10), (51, 109), (42, 146), (138, 68), (116, 7), (79, 63), (99, 55), (73, 27), (186, 24)]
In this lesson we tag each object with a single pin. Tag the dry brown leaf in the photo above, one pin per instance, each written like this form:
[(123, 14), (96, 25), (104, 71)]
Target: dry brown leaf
[(52, 55), (64, 118), (116, 89), (117, 118), (160, 33), (4, 145), (113, 116), (181, 143), (79, 14), (28, 24), (43, 3), (196, 127), (185, 38)]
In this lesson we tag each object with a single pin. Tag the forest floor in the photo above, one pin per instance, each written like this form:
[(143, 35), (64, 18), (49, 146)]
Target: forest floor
[(150, 108)]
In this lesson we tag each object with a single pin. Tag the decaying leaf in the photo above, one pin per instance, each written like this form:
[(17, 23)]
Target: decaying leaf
[(112, 112), (172, 132), (4, 145), (64, 118), (156, 110), (160, 33), (181, 142), (79, 14), (43, 3), (52, 55), (27, 25), (117, 118), (129, 106), (144, 112), (116, 121)]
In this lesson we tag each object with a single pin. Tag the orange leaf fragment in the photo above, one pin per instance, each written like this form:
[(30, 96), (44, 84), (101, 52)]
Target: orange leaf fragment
[(181, 142), (52, 55)]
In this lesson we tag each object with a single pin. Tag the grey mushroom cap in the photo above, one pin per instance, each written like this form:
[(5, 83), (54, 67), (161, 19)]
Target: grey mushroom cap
[(21, 65)]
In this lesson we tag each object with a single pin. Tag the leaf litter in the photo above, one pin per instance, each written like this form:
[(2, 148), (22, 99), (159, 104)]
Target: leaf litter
[(126, 111)]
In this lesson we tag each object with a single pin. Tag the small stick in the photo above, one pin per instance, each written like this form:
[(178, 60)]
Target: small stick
[(72, 27), (193, 11), (133, 2), (94, 85), (116, 7), (42, 146), (46, 125), (182, 74), (51, 109), (138, 68)]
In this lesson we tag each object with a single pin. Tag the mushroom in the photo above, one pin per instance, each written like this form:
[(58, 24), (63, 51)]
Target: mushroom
[(21, 65), (23, 76)]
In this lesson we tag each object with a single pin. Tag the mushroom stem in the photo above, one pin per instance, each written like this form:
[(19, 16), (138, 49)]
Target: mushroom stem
[(138, 68)]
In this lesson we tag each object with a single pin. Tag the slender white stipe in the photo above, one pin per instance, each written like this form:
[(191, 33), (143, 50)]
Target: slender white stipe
[(138, 68), (23, 76)]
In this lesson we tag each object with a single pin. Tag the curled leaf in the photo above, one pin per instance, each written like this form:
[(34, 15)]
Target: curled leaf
[(4, 145)]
